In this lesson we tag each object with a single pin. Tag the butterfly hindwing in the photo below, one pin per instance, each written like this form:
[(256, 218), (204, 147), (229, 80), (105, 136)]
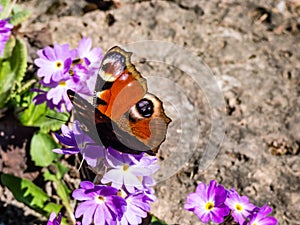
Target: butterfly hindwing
[(102, 129)]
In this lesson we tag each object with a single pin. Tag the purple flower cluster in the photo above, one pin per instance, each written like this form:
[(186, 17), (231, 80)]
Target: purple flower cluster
[(214, 203), (62, 68), (105, 205), (5, 32), (125, 193), (126, 197)]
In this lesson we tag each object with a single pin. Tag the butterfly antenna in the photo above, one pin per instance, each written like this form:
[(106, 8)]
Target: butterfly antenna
[(54, 118), (81, 163), (82, 147)]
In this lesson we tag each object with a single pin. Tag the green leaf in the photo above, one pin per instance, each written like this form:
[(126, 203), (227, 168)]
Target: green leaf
[(18, 60), (49, 176), (12, 70), (51, 120), (17, 8), (52, 207), (5, 72), (33, 113), (25, 191), (64, 221), (9, 46), (4, 4), (41, 149), (38, 116), (22, 97), (6, 80), (26, 86), (61, 170), (18, 17), (63, 191)]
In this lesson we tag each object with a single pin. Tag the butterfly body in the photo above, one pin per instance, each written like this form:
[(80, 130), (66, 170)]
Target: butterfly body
[(123, 115)]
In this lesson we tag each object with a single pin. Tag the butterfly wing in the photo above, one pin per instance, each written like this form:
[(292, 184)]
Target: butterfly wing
[(123, 116), (119, 84), (151, 128)]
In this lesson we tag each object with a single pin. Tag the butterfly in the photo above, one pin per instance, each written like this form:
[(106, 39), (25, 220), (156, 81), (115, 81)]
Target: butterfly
[(123, 114)]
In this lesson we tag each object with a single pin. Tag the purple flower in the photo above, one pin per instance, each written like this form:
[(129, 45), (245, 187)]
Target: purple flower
[(41, 97), (239, 205), (260, 217), (91, 60), (57, 96), (53, 220), (78, 142), (5, 32), (81, 77), (61, 71), (128, 171), (138, 204), (58, 93), (151, 163), (54, 63), (208, 202), (101, 205), (91, 57)]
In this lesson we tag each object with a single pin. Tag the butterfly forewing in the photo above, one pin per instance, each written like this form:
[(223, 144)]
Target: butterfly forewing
[(119, 84)]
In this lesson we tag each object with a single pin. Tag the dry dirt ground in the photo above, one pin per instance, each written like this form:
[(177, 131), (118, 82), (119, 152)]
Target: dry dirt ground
[(251, 46)]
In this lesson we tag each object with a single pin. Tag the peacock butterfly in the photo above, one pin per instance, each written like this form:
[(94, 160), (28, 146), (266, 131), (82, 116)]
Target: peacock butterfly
[(123, 115)]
